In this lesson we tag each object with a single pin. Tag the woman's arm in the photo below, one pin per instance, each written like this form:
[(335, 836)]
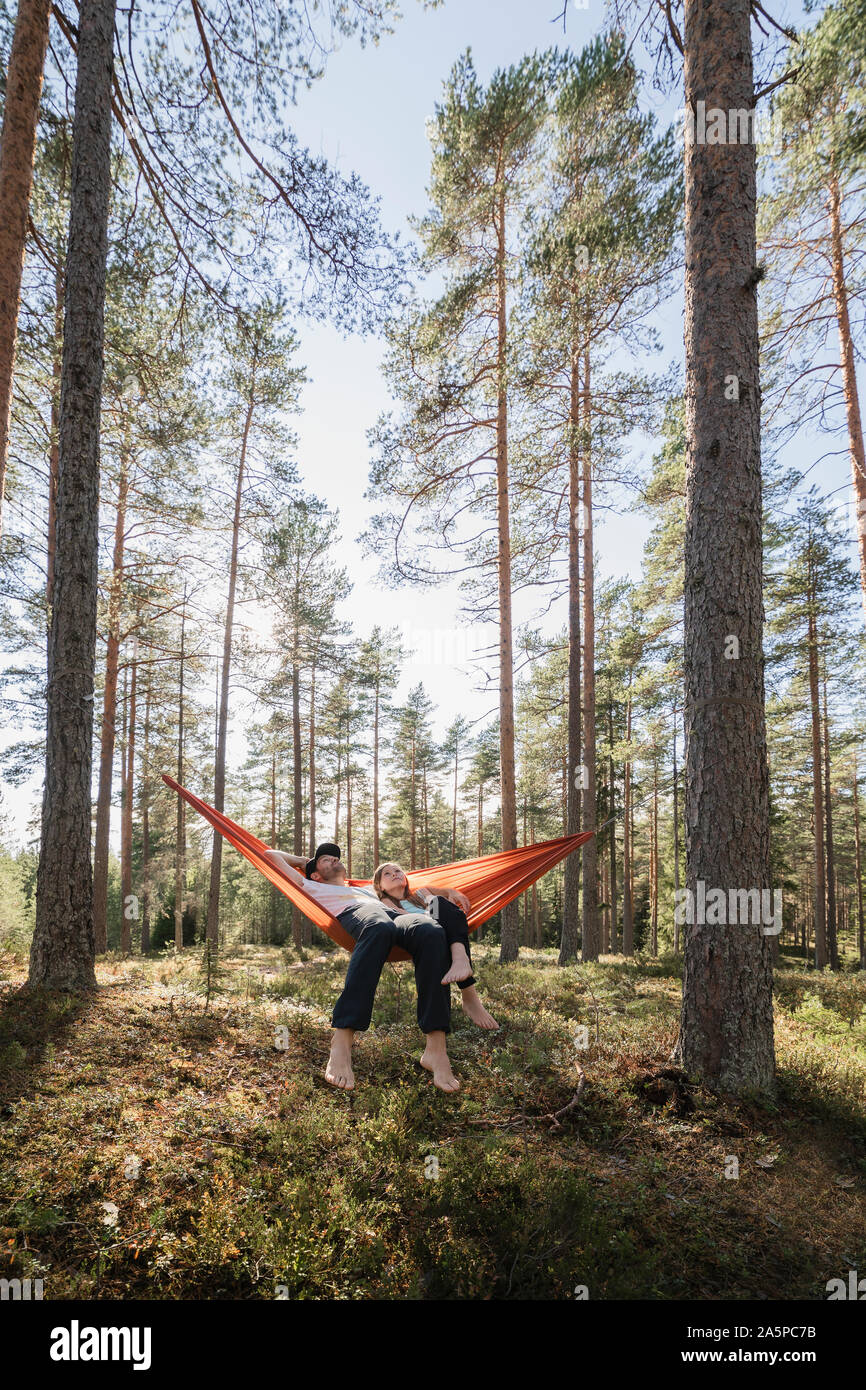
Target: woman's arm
[(458, 899)]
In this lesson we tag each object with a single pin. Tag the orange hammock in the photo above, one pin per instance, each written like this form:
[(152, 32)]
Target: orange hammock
[(490, 883)]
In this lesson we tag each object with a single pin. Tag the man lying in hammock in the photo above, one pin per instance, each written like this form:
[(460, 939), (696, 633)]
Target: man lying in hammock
[(377, 926)]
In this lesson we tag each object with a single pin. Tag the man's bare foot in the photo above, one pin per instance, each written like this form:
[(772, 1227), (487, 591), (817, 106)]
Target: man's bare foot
[(339, 1072), (461, 966), (472, 1004), (435, 1060)]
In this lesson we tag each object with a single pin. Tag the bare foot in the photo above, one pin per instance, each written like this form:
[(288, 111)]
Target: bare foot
[(443, 1076), (339, 1072), (475, 1009), (461, 966)]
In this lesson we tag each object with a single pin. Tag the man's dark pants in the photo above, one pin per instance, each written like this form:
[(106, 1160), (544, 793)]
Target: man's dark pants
[(376, 930)]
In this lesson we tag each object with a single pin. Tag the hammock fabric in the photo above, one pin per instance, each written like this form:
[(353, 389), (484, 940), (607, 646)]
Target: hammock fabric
[(490, 883)]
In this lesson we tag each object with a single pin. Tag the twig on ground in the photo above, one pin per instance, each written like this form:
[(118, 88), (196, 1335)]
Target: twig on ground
[(575, 1100)]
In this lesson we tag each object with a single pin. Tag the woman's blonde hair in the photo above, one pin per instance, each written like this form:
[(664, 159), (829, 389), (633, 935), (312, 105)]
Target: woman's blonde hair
[(409, 896)]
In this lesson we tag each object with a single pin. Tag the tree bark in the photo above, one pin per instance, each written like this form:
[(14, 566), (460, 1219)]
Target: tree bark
[(832, 932), (339, 783), (676, 842), (145, 819), (726, 1033), (859, 871), (591, 933), (313, 757), (348, 807), (849, 379), (275, 842), (17, 149), (109, 717), (376, 860), (54, 450), (819, 885), (568, 946), (412, 813), (654, 859), (627, 894), (62, 950), (298, 918), (126, 820), (425, 816), (612, 811), (509, 948), (180, 828), (454, 809), (222, 729)]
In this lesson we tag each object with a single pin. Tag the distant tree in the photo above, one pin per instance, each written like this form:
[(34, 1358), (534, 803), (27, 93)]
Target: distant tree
[(812, 230), (447, 457)]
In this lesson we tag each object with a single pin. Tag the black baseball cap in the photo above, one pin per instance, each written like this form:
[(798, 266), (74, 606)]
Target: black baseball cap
[(327, 848)]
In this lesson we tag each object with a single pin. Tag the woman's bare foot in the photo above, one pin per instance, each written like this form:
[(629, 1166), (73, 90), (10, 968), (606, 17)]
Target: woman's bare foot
[(472, 1004), (435, 1059), (461, 966), (339, 1072)]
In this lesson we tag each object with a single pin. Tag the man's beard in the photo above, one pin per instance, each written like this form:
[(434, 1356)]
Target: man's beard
[(339, 879)]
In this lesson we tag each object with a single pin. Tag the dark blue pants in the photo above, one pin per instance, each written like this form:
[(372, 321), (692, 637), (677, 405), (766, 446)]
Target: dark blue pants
[(376, 930)]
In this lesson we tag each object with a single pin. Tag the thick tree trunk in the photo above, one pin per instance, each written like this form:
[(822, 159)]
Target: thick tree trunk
[(726, 1034), (849, 379), (509, 949), (17, 148), (126, 819), (591, 933), (568, 946), (54, 450), (180, 828), (62, 951), (109, 718), (219, 789)]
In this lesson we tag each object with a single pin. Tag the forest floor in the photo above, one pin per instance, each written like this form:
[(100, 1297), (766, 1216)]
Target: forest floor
[(154, 1148)]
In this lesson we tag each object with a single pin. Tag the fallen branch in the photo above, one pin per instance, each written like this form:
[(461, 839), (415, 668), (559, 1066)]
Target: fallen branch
[(575, 1100)]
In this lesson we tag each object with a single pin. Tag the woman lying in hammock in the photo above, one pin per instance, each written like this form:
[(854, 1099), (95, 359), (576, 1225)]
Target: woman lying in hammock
[(393, 891)]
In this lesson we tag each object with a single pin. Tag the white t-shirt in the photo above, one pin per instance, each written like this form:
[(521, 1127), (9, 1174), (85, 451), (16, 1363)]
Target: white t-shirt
[(337, 897)]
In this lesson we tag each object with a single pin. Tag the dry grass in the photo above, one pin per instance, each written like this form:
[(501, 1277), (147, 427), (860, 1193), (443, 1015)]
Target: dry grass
[(236, 1172)]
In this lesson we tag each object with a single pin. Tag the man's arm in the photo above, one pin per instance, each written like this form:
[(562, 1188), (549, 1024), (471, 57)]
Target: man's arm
[(289, 863)]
